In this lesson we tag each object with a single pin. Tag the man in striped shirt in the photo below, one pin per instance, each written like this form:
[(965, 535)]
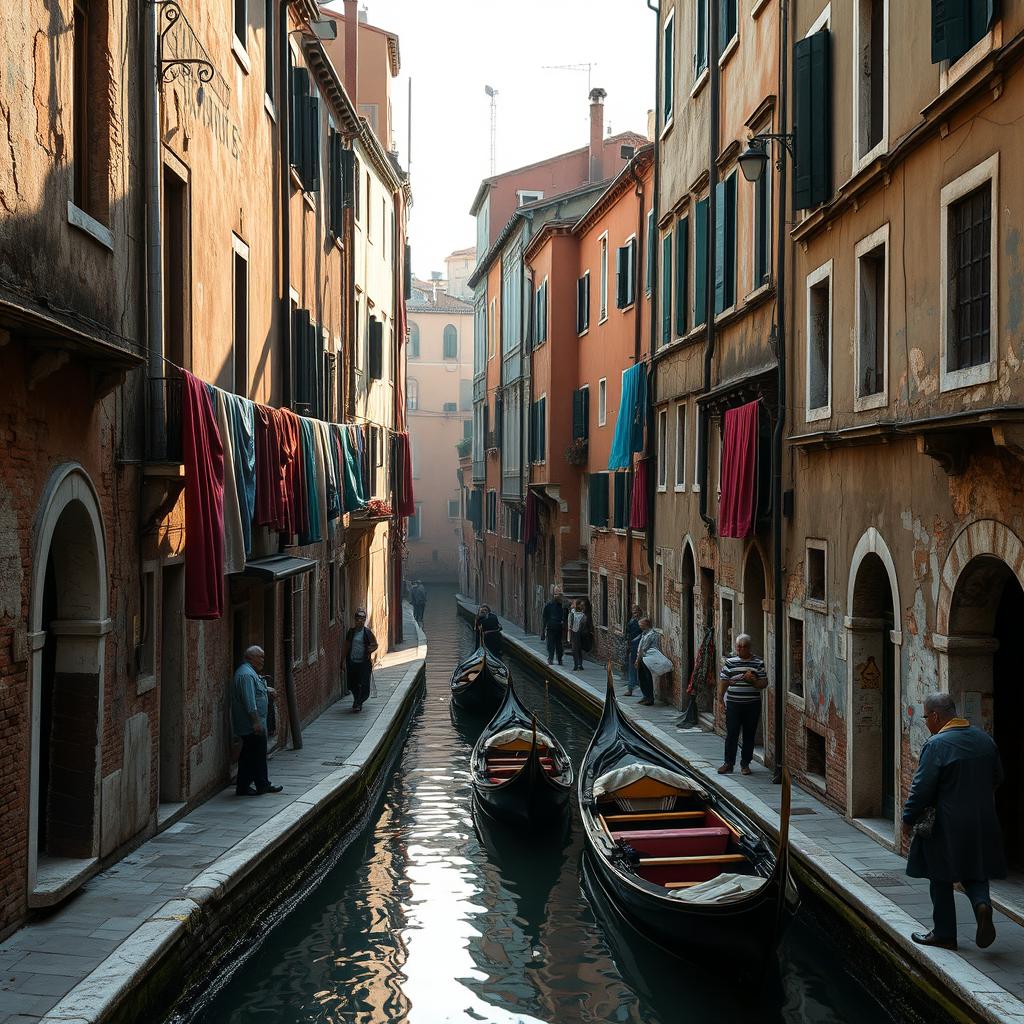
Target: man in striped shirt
[(741, 682)]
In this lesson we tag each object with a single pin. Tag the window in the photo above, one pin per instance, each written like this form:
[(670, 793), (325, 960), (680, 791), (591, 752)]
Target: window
[(339, 176), (666, 287), (540, 314), (602, 401), (958, 24), (412, 394), (239, 22), (763, 225), (872, 319), (968, 281), (812, 124), (581, 414), (796, 657), (465, 395), (467, 429), (725, 244), (375, 360), (298, 616), (450, 341), (700, 38), (641, 596), (625, 274), (602, 603), (682, 275), (604, 278), (269, 45), (329, 382), (538, 430), (597, 500), (304, 136), (177, 269), (240, 316), (369, 208), (145, 638), (814, 755), (414, 341), (659, 593), (313, 613), (680, 484), (668, 67), (583, 304), (525, 196), (814, 581), (91, 156), (700, 262), (725, 624), (511, 302), (492, 511), (621, 512), (649, 270), (662, 449), (453, 508), (450, 407), (492, 329), (871, 78), (416, 523), (819, 343), (726, 24)]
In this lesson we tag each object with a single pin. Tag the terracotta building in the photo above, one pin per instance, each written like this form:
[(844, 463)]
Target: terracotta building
[(439, 399)]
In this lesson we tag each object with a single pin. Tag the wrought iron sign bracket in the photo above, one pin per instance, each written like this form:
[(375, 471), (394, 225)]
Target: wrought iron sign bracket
[(170, 68)]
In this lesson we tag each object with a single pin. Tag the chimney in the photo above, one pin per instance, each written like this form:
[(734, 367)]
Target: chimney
[(597, 134), (352, 50)]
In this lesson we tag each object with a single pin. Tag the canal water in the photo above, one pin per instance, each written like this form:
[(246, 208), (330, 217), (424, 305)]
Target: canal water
[(431, 917)]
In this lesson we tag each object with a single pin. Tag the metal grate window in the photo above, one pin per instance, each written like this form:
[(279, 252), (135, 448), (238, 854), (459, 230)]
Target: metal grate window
[(970, 260)]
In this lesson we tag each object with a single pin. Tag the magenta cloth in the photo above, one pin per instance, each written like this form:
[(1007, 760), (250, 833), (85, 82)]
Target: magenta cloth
[(203, 456), (638, 507), (739, 472), (406, 498), (271, 503)]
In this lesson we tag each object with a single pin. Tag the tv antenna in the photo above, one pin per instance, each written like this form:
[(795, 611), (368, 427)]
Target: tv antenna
[(493, 94), (588, 68)]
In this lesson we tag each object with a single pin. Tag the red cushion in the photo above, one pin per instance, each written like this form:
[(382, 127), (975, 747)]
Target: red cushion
[(676, 842)]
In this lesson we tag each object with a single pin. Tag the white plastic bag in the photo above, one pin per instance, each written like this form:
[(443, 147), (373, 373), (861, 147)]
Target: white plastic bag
[(657, 664)]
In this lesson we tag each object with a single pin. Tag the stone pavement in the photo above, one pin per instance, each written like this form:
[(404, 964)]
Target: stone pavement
[(852, 863), (67, 966)]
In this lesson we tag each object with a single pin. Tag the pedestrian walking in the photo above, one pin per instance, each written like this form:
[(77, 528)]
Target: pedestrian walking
[(579, 627), (357, 653), (741, 681), (419, 601), (951, 815), (250, 699), (649, 640), (488, 630), (552, 628), (633, 632)]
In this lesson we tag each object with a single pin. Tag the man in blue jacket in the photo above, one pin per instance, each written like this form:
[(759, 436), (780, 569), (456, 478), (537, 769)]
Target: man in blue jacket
[(250, 698), (552, 626), (957, 775)]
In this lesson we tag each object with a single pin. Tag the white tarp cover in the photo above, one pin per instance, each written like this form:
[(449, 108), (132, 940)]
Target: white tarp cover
[(511, 735), (724, 888), (615, 780)]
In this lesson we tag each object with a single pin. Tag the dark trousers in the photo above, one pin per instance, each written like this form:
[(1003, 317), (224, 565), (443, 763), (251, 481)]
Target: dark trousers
[(358, 673), (741, 715), (554, 639), (944, 909), (576, 640), (252, 764), (646, 681), (417, 612)]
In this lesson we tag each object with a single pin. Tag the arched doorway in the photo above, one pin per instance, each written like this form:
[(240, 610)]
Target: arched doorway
[(68, 622), (755, 590), (688, 580), (872, 777)]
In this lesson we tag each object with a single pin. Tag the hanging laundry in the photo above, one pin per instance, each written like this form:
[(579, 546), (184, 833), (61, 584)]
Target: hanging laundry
[(294, 476), (311, 534), (326, 443), (739, 472), (629, 424), (639, 507), (406, 497), (234, 543), (203, 456), (243, 447), (271, 508), (354, 493), (334, 443)]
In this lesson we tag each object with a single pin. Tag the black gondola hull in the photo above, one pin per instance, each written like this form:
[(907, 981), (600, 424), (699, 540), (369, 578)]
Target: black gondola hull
[(524, 802), (483, 694)]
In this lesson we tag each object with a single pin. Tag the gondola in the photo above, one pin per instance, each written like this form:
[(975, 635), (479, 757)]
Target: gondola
[(521, 774), (480, 682), (678, 859)]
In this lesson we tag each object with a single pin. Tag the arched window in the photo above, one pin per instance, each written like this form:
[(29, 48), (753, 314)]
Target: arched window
[(451, 342), (414, 341), (412, 400)]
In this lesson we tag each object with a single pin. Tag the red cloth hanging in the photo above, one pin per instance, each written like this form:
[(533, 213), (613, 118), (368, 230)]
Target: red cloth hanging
[(203, 455), (638, 507), (297, 517), (739, 472), (406, 498), (271, 503)]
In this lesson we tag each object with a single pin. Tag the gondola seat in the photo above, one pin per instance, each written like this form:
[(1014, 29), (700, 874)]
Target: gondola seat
[(676, 842)]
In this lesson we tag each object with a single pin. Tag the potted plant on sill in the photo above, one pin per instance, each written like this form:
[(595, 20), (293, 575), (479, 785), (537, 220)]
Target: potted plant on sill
[(576, 452)]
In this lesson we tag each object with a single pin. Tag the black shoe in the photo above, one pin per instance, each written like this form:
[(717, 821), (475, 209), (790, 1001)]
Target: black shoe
[(269, 789), (931, 939), (559, 661), (356, 708), (986, 934), (246, 792)]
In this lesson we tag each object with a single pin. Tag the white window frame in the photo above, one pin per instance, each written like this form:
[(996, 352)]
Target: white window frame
[(696, 447), (631, 241), (863, 247), (585, 276), (542, 287), (648, 247), (798, 700), (727, 594), (819, 604), (536, 195), (662, 450), (861, 160), (602, 313), (951, 72), (823, 20), (700, 77), (823, 412), (602, 401), (238, 46), (669, 73), (680, 460), (983, 373)]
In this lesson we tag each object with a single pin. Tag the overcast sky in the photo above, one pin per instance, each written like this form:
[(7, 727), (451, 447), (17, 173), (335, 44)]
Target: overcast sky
[(452, 49)]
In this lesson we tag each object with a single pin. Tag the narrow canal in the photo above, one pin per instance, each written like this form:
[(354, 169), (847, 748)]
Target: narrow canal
[(428, 920)]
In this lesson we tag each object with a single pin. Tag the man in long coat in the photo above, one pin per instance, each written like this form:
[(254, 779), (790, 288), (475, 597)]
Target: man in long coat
[(957, 775)]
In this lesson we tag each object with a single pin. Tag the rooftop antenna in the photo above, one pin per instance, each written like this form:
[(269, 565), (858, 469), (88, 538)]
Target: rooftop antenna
[(573, 67), (493, 93)]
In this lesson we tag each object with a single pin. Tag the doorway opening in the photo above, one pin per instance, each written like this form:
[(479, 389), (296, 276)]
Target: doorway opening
[(688, 579), (754, 595), (172, 687)]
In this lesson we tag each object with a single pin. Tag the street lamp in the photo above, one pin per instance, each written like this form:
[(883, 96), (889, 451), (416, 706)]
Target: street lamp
[(754, 158)]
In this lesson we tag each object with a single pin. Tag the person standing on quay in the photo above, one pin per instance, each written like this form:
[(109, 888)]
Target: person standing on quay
[(357, 654), (649, 641), (578, 627), (250, 698), (742, 679), (488, 630), (956, 777), (633, 632), (552, 627), (419, 601)]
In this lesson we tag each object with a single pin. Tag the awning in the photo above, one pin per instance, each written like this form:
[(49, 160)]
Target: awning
[(276, 567)]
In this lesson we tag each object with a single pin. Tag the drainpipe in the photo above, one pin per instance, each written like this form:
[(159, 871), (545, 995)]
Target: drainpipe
[(154, 241), (712, 255), (630, 475), (655, 209), (779, 744)]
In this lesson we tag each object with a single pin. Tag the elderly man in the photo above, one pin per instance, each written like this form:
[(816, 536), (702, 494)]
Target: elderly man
[(358, 654), (740, 683), (649, 641), (956, 776), (250, 697)]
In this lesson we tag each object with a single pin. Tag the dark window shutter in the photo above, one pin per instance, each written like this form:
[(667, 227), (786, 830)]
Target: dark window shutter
[(542, 429), (315, 369), (376, 367), (682, 274), (347, 176), (958, 24), (619, 520), (586, 302), (598, 500), (579, 306), (499, 419), (726, 23), (812, 129), (531, 441), (700, 264), (649, 272), (312, 175), (603, 491), (666, 289), (580, 413), (407, 273), (725, 244), (621, 277), (299, 94)]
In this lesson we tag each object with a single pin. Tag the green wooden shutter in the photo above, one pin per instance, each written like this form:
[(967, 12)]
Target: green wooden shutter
[(542, 429), (298, 96), (620, 517), (311, 175), (622, 277), (726, 23), (598, 500), (649, 271), (531, 443), (682, 274), (812, 129), (666, 288), (725, 243), (376, 367), (958, 24), (604, 499), (700, 264), (348, 176), (579, 413)]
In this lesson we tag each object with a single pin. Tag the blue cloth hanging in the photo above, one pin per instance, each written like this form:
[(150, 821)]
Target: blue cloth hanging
[(309, 467), (629, 424), (241, 416)]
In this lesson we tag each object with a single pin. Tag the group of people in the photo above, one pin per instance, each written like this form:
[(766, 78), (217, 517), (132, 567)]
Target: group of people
[(560, 625)]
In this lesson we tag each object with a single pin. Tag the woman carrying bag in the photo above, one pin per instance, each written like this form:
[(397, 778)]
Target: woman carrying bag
[(648, 654)]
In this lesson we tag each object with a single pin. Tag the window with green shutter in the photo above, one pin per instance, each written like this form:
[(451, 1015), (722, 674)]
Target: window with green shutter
[(666, 288), (958, 24), (649, 270), (583, 303), (700, 40), (700, 263), (726, 23), (598, 500), (581, 414), (725, 244), (625, 274), (682, 275), (668, 68), (620, 513), (812, 125)]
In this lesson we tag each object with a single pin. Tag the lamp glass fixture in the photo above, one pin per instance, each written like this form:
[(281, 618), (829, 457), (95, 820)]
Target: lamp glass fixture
[(753, 160)]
